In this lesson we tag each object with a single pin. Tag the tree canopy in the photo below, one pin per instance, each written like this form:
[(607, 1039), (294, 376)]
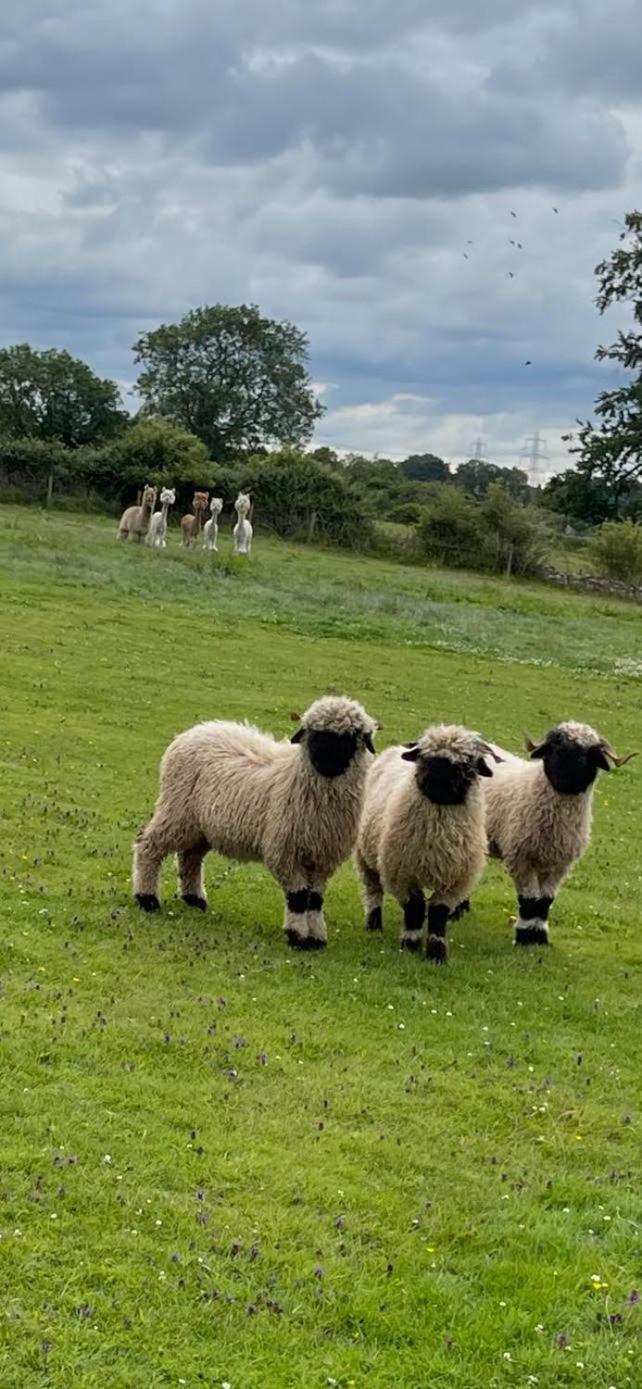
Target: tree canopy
[(424, 467), (50, 395), (237, 380), (611, 450)]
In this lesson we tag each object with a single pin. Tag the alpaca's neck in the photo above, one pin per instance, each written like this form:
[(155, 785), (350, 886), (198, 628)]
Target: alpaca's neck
[(164, 511), (146, 509)]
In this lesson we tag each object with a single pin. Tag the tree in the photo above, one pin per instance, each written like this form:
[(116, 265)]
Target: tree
[(450, 531), (616, 549), (579, 497), (476, 476), (515, 538), (425, 467), (162, 453), (52, 396), (612, 449), (235, 379)]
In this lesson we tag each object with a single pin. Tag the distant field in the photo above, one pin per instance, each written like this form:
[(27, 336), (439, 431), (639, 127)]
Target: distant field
[(224, 1164)]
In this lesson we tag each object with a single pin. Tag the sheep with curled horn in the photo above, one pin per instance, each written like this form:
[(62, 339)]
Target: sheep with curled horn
[(422, 827), (539, 816), (293, 805)]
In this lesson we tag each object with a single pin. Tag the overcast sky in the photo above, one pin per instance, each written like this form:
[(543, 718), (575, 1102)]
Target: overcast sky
[(335, 162)]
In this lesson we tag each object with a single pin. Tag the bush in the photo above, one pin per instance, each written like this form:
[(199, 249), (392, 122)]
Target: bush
[(450, 532), (616, 550), (296, 497), (515, 539)]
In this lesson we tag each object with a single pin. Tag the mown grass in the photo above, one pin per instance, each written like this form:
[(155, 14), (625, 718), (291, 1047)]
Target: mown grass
[(220, 1163)]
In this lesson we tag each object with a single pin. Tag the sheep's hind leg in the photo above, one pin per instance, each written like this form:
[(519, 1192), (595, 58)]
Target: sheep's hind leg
[(414, 915), (460, 910), (190, 872), (149, 851), (372, 893)]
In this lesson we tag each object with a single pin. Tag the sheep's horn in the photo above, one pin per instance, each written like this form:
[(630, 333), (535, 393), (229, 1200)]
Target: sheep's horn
[(617, 761), (529, 744), (486, 747)]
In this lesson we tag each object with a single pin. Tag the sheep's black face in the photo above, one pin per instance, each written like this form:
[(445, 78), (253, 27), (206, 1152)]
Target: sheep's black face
[(570, 768), (443, 781), (331, 753)]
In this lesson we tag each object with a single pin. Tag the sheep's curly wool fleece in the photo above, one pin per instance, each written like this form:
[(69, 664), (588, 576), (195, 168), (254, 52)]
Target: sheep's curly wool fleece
[(337, 714)]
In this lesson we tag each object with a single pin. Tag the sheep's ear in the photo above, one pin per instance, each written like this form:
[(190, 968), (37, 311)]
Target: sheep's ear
[(298, 736), (535, 749), (488, 751), (296, 718), (412, 752), (368, 742), (483, 768)]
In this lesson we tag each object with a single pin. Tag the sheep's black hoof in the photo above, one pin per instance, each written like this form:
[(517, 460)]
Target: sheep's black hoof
[(460, 910), (531, 935), (148, 901), (313, 943), (411, 943), (191, 900), (436, 950), (296, 941), (374, 919)]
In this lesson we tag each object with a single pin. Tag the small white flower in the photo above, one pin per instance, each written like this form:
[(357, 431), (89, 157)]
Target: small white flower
[(502, 1304), (532, 1379), (107, 1158), (53, 1217), (159, 1222), (402, 1026), (225, 1384), (579, 1364), (507, 1355), (539, 1326)]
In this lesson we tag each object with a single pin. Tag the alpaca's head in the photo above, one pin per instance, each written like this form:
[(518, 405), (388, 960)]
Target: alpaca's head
[(168, 495), (149, 495), (243, 503), (335, 731), (448, 760), (572, 755), (199, 502), (216, 506)]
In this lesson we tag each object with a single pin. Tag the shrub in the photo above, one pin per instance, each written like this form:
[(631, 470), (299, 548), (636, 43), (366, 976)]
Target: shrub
[(297, 497), (450, 532), (515, 539), (616, 550)]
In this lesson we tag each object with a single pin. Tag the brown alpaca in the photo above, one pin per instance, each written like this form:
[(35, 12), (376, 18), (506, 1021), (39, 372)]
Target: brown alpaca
[(192, 524), (134, 522)]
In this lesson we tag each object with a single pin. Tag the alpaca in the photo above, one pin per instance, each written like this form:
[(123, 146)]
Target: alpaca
[(158, 524), (243, 530), (134, 522), (210, 529), (192, 523)]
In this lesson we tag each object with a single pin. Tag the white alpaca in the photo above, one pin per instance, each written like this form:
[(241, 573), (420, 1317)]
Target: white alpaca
[(156, 535), (210, 529), (243, 529)]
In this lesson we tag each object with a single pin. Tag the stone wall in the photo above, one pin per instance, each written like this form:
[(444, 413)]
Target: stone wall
[(592, 583)]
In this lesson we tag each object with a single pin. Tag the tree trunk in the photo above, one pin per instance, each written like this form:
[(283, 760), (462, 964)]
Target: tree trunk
[(312, 524), (50, 483), (509, 562)]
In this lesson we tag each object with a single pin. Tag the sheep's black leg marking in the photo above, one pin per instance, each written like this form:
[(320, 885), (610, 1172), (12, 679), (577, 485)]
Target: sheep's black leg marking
[(414, 914), (191, 900), (532, 928), (317, 933), (436, 948), (148, 901), (296, 929), (460, 910), (374, 919)]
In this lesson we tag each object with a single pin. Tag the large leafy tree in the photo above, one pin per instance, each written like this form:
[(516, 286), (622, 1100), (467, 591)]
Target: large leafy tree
[(611, 449), (235, 379), (425, 467), (51, 395)]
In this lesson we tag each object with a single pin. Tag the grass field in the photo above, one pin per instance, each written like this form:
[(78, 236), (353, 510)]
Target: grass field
[(224, 1164)]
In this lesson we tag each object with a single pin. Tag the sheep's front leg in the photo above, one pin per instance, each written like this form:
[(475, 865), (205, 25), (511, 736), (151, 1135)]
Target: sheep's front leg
[(414, 915), (296, 917), (149, 851), (534, 901), (190, 871), (317, 929), (436, 946)]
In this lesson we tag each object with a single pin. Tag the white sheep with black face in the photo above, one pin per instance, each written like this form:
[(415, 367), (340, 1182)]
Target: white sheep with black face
[(210, 529), (539, 815), (422, 827), (292, 805)]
